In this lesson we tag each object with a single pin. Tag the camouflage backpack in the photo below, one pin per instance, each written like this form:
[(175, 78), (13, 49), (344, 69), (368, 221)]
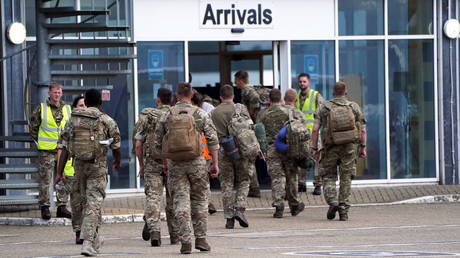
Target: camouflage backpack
[(153, 115), (341, 124), (264, 94), (297, 137), (87, 131), (182, 141), (240, 128)]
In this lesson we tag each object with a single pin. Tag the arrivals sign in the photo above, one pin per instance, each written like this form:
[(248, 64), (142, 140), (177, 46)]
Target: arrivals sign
[(220, 14)]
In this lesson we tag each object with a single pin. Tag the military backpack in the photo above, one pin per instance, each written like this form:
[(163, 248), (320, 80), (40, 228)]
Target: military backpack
[(297, 137), (87, 131), (240, 128), (153, 116), (341, 124), (182, 141)]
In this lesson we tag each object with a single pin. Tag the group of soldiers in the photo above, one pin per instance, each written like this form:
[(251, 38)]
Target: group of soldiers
[(186, 179)]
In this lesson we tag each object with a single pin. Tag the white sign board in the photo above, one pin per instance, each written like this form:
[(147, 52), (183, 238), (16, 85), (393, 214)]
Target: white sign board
[(204, 20)]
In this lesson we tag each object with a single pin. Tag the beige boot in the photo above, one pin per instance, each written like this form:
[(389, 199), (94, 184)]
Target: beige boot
[(87, 249)]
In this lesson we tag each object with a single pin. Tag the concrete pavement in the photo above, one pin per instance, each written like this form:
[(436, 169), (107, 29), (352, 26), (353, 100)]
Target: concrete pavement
[(129, 208), (386, 230)]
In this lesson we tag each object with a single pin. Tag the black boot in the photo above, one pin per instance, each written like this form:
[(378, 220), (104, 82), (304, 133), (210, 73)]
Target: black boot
[(63, 212), (239, 215), (211, 209), (343, 216), (230, 223), (317, 190), (254, 192), (46, 214), (146, 232), (332, 211), (155, 238), (279, 211), (302, 188), (78, 240), (295, 210)]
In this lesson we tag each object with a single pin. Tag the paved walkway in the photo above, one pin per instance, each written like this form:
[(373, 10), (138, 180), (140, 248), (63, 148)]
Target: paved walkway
[(130, 205)]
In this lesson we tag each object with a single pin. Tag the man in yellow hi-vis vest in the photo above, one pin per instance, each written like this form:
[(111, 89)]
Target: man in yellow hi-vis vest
[(45, 125), (308, 101)]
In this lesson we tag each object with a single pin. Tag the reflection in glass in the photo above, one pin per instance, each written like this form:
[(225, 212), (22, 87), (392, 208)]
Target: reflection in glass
[(362, 69), (160, 65), (360, 17), (248, 45), (412, 126), (204, 70), (410, 17), (249, 65), (317, 59)]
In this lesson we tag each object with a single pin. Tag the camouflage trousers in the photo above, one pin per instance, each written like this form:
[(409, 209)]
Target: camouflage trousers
[(233, 176), (154, 184), (283, 173), (188, 182), (71, 189), (253, 181), (91, 181), (303, 174), (338, 159), (46, 172)]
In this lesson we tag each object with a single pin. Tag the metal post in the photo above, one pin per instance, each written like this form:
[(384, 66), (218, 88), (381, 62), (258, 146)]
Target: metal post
[(43, 63)]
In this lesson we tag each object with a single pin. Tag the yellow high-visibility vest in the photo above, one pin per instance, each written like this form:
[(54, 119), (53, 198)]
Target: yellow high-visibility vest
[(68, 169), (309, 108), (49, 132)]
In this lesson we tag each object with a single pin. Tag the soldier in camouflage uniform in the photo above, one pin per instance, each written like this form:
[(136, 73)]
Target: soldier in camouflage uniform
[(341, 157), (282, 170), (70, 185), (251, 99), (188, 179), (152, 171), (47, 121), (92, 175), (234, 174)]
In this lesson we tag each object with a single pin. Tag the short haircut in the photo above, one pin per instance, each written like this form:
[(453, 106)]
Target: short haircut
[(243, 76), (197, 98), (303, 75), (93, 98), (165, 96), (184, 89), (75, 101), (54, 85), (339, 89), (290, 95), (227, 91), (275, 95)]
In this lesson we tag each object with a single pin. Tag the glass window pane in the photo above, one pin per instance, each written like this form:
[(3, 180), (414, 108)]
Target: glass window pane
[(248, 45), (249, 65), (268, 70), (204, 70), (412, 125), (360, 17), (317, 59), (30, 18), (160, 65), (410, 17), (203, 46), (362, 68)]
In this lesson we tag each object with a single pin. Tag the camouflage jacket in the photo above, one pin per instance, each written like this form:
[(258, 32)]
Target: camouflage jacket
[(274, 117), (36, 118), (222, 115), (110, 131), (249, 97), (203, 124)]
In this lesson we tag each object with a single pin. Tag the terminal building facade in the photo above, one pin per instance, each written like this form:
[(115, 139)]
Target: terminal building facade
[(398, 58)]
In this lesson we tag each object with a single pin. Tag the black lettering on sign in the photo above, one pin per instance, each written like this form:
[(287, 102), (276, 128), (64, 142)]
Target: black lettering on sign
[(233, 15), (209, 15)]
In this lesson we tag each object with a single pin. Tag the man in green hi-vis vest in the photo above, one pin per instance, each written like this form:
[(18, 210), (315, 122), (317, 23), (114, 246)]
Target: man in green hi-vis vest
[(308, 101)]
